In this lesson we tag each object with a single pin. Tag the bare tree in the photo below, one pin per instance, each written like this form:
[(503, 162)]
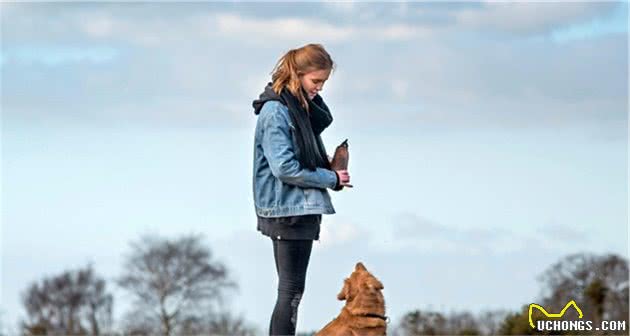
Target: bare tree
[(422, 323), (72, 303), (599, 284), (173, 283), (462, 323), (216, 324), (455, 323), (490, 321), (224, 323)]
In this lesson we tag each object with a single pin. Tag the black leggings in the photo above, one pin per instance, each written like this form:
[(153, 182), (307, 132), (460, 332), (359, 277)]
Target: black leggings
[(291, 262)]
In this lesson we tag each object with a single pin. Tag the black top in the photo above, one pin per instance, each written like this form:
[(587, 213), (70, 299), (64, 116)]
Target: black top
[(292, 227)]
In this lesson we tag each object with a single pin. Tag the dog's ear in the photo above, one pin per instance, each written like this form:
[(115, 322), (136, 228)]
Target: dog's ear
[(345, 291), (374, 283), (359, 267)]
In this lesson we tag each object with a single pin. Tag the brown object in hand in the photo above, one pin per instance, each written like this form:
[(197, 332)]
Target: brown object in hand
[(364, 312), (341, 157)]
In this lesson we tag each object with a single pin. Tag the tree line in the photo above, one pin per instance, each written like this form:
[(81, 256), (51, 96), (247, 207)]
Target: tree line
[(178, 288), (597, 283)]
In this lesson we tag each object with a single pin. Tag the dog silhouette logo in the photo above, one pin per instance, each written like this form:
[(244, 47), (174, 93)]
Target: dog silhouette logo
[(553, 315)]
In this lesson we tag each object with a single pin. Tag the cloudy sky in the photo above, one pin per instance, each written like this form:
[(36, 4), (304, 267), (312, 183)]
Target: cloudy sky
[(487, 141)]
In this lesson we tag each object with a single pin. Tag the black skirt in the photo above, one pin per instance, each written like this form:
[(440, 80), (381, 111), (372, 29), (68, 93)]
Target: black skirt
[(304, 227)]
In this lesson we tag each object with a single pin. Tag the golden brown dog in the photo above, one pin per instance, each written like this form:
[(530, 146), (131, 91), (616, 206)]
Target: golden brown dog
[(364, 312)]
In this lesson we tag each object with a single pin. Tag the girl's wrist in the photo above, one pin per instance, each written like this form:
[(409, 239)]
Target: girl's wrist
[(338, 185)]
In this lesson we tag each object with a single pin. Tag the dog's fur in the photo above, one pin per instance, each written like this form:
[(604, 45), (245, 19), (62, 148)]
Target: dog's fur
[(364, 305)]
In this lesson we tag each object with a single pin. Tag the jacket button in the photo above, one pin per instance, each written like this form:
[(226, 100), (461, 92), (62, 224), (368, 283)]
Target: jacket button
[(279, 237)]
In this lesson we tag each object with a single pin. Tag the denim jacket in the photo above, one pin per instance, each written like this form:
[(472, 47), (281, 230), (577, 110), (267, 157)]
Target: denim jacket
[(281, 186)]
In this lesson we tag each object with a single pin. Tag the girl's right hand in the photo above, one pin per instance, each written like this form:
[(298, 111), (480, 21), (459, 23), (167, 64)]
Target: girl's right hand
[(344, 178)]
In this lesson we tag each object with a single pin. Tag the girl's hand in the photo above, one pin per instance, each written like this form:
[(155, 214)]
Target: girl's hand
[(344, 178)]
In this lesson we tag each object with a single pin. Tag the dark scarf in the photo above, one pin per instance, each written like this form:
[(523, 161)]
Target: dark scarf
[(310, 150)]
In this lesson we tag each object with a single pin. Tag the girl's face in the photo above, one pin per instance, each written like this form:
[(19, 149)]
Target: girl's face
[(313, 81)]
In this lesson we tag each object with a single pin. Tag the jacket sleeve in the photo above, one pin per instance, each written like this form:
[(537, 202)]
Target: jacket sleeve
[(278, 150)]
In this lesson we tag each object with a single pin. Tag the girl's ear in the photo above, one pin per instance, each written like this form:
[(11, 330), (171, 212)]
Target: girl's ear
[(345, 291)]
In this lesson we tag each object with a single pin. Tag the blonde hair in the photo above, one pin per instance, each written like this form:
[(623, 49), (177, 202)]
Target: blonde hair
[(297, 62)]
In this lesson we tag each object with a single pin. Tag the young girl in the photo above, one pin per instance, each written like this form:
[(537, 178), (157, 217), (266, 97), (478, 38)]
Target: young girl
[(292, 171)]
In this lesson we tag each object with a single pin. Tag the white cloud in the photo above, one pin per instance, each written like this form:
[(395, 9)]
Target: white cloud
[(339, 231), (57, 55), (528, 17), (442, 82), (398, 31), (401, 9), (146, 32), (285, 28), (298, 29), (400, 88), (413, 225), (554, 233), (411, 231), (344, 7), (100, 26), (340, 21)]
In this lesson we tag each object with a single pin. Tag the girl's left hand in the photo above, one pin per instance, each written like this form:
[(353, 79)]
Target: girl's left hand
[(344, 178)]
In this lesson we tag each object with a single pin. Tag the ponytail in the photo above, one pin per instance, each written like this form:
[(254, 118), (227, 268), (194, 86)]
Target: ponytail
[(286, 74)]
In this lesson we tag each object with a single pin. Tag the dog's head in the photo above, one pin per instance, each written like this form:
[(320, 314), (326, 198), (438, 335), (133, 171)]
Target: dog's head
[(362, 292)]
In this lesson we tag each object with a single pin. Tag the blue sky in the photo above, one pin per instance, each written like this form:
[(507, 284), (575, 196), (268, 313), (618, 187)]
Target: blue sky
[(487, 141)]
